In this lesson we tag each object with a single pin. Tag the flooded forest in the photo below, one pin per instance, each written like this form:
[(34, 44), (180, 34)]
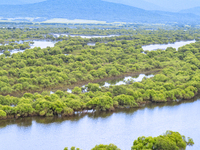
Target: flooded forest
[(92, 84)]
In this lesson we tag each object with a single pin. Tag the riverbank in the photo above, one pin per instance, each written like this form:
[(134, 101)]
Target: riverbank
[(69, 112)]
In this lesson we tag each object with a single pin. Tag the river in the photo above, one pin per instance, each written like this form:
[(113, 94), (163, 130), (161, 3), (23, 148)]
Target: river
[(86, 130)]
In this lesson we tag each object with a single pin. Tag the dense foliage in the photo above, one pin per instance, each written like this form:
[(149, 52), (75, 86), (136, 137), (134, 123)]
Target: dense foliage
[(98, 147), (73, 61), (29, 32), (38, 68), (168, 141)]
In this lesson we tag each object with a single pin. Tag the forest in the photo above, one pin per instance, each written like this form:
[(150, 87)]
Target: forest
[(26, 78), (168, 141)]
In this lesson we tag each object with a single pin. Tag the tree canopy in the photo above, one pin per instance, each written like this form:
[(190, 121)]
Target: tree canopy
[(169, 141)]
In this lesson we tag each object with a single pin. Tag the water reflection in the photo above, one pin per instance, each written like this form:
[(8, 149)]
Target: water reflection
[(84, 36), (164, 46), (119, 81), (43, 44), (91, 44), (86, 130), (21, 122), (126, 80), (37, 43), (25, 122), (46, 43)]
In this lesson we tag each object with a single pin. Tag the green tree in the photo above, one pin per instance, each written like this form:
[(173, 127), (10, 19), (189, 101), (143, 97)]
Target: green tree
[(7, 53), (77, 90), (2, 114), (169, 141), (106, 147)]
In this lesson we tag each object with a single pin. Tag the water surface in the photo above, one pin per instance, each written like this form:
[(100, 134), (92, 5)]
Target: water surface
[(37, 43), (126, 80), (86, 130), (119, 81), (164, 46), (43, 44), (85, 36)]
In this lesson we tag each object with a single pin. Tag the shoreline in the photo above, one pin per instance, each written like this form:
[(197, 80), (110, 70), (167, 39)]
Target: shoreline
[(144, 104)]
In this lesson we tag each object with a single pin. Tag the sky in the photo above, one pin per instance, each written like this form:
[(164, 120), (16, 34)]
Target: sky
[(176, 4), (14, 2), (166, 5)]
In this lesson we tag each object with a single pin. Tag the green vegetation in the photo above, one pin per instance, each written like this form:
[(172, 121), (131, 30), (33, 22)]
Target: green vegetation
[(98, 147), (36, 69), (43, 69), (106, 147), (168, 141)]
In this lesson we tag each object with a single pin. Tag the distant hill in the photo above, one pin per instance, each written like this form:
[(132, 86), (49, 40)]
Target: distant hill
[(195, 10), (93, 10), (139, 4)]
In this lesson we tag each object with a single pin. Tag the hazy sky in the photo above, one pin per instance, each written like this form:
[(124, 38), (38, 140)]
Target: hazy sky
[(176, 4), (31, 1), (170, 5), (8, 2), (173, 5)]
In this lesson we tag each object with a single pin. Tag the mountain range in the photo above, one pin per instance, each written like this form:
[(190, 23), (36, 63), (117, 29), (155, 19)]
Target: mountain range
[(139, 4), (163, 5), (94, 10), (195, 10)]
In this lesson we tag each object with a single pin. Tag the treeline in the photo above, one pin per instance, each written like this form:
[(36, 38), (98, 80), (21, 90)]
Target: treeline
[(29, 33), (10, 36), (168, 141), (153, 36)]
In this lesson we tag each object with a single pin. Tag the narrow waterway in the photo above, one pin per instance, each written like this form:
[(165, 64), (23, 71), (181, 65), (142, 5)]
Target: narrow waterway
[(85, 36), (120, 81), (86, 130)]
